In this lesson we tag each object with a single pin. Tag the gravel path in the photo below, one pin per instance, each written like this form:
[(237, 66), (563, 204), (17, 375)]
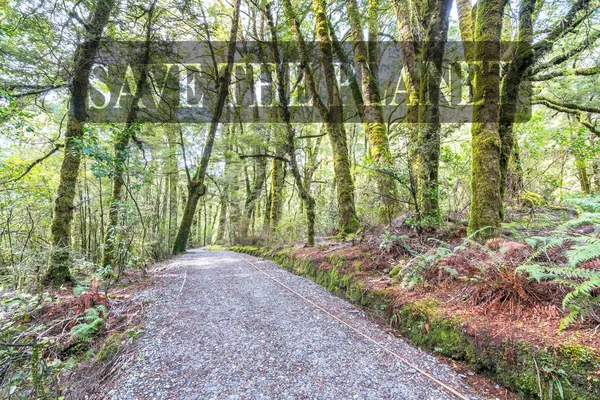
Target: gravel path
[(220, 329)]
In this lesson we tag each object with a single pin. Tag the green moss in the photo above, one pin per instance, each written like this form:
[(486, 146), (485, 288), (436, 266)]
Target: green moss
[(394, 272), (215, 247), (110, 347)]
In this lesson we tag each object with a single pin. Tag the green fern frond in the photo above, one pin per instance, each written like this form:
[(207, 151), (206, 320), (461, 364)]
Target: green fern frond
[(584, 289), (583, 252), (570, 318), (583, 219)]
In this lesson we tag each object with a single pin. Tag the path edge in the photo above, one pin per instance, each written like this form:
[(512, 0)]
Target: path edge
[(520, 366)]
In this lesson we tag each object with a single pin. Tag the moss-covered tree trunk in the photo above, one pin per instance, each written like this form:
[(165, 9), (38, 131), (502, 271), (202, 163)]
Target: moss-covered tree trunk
[(276, 193), (582, 175), (515, 177), (366, 63), (510, 89), (260, 164), (486, 212), (224, 197), (596, 164), (429, 141), (334, 119), (222, 217), (121, 153), (60, 230), (331, 113), (257, 187), (410, 50), (290, 145), (466, 22), (173, 185), (196, 187), (596, 170)]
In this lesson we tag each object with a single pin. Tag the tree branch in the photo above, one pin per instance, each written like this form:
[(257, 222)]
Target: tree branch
[(33, 164), (591, 39), (242, 156), (566, 72), (569, 22), (570, 108)]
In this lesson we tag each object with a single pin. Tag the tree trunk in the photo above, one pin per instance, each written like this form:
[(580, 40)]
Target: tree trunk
[(410, 55), (196, 187), (260, 166), (509, 92), (60, 258), (486, 213), (173, 187), (276, 196), (436, 33), (334, 120), (366, 62), (582, 175), (596, 170), (222, 219), (515, 176), (121, 153), (289, 133)]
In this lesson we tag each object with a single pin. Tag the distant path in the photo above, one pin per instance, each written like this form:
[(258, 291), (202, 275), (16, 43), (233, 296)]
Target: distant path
[(221, 329)]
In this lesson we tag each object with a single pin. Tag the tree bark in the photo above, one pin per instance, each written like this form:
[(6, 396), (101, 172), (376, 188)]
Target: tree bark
[(224, 196), (509, 91), (366, 63), (334, 121), (596, 170), (434, 43), (410, 55), (289, 132), (260, 166), (121, 153), (196, 187), (582, 175), (276, 196), (486, 213), (60, 257)]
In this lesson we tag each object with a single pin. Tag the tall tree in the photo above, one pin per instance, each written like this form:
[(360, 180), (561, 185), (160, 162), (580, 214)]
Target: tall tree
[(290, 144), (366, 60), (196, 187), (60, 258), (485, 216), (429, 138), (121, 149), (331, 113), (423, 33)]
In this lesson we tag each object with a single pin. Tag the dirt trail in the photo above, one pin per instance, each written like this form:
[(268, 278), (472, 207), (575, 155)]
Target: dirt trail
[(219, 328)]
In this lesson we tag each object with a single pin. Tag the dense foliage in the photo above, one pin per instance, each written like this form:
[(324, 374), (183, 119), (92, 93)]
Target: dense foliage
[(81, 201)]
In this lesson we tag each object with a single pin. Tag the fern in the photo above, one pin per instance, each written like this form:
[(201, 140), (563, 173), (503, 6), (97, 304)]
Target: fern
[(583, 219), (587, 203), (580, 303), (580, 253), (90, 323)]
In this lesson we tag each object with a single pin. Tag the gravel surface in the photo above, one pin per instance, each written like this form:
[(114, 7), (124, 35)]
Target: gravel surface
[(218, 328)]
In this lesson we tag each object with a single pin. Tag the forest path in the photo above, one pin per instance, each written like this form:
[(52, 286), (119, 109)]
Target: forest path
[(220, 326)]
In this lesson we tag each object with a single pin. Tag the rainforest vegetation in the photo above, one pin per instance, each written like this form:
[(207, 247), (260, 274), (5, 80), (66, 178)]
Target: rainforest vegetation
[(500, 189)]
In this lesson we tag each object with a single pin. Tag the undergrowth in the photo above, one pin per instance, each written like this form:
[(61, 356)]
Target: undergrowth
[(564, 264), (579, 273)]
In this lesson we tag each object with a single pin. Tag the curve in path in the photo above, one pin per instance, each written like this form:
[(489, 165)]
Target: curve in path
[(220, 327)]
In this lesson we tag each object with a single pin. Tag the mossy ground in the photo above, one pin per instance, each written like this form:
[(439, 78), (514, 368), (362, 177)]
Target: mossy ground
[(525, 368)]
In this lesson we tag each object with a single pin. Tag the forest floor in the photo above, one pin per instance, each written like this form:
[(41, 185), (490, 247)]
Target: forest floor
[(218, 326), (482, 288)]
